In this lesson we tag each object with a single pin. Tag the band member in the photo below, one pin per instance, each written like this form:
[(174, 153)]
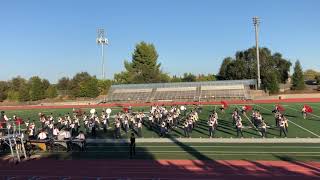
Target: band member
[(132, 145), (215, 114), (31, 133), (235, 116), (175, 118), (263, 129), (222, 108), (151, 121), (126, 125), (286, 125), (82, 138), (42, 135), (105, 124), (169, 121), (277, 118), (276, 109), (257, 120), (72, 127), (92, 126), (243, 110), (190, 124), (50, 129), (212, 125), (163, 129), (282, 127), (239, 127), (55, 132), (117, 129), (186, 129), (139, 128), (304, 112), (67, 138)]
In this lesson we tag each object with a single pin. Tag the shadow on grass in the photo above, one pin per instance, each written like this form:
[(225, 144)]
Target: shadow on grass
[(111, 160)]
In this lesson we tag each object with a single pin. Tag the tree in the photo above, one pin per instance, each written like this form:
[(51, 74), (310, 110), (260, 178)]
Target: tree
[(89, 88), (311, 74), (244, 66), (13, 95), (222, 75), (297, 77), (37, 91), (318, 79), (63, 83), (209, 77), (51, 92), (17, 83), (104, 86), (271, 82), (18, 89), (24, 94), (75, 83), (84, 85), (236, 70), (188, 77), (4, 87), (143, 68), (175, 79), (45, 84)]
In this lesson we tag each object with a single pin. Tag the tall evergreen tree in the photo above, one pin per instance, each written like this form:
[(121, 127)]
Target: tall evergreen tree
[(143, 68), (297, 77)]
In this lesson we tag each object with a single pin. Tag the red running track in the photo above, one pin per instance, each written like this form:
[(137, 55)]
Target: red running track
[(161, 169), (272, 101)]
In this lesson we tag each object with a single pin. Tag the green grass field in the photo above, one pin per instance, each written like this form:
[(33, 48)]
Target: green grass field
[(201, 151), (298, 127)]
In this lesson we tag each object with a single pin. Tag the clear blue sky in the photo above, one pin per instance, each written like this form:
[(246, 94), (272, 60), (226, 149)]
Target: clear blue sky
[(57, 38)]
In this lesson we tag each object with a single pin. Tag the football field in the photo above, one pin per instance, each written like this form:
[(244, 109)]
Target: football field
[(177, 157), (298, 127)]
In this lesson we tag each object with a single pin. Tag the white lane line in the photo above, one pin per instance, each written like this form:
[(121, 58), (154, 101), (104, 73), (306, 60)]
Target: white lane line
[(237, 147), (251, 123), (300, 111), (293, 123), (225, 152)]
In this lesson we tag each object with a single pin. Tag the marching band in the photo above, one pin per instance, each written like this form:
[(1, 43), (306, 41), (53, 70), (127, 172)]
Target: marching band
[(160, 119)]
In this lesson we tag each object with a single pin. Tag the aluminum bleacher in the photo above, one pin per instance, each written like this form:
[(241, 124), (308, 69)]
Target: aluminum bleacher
[(181, 91)]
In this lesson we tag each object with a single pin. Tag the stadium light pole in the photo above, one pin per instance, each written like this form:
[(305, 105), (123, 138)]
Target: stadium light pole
[(256, 22), (102, 40)]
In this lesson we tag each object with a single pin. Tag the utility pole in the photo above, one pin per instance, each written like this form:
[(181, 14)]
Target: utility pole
[(256, 22), (102, 40)]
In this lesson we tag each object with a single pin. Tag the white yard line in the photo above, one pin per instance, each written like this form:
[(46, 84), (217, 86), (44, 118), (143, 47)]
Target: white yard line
[(293, 123)]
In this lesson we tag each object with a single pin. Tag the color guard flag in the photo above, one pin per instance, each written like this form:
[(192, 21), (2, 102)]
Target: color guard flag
[(308, 108), (225, 104), (125, 109), (248, 108), (19, 121), (280, 108)]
